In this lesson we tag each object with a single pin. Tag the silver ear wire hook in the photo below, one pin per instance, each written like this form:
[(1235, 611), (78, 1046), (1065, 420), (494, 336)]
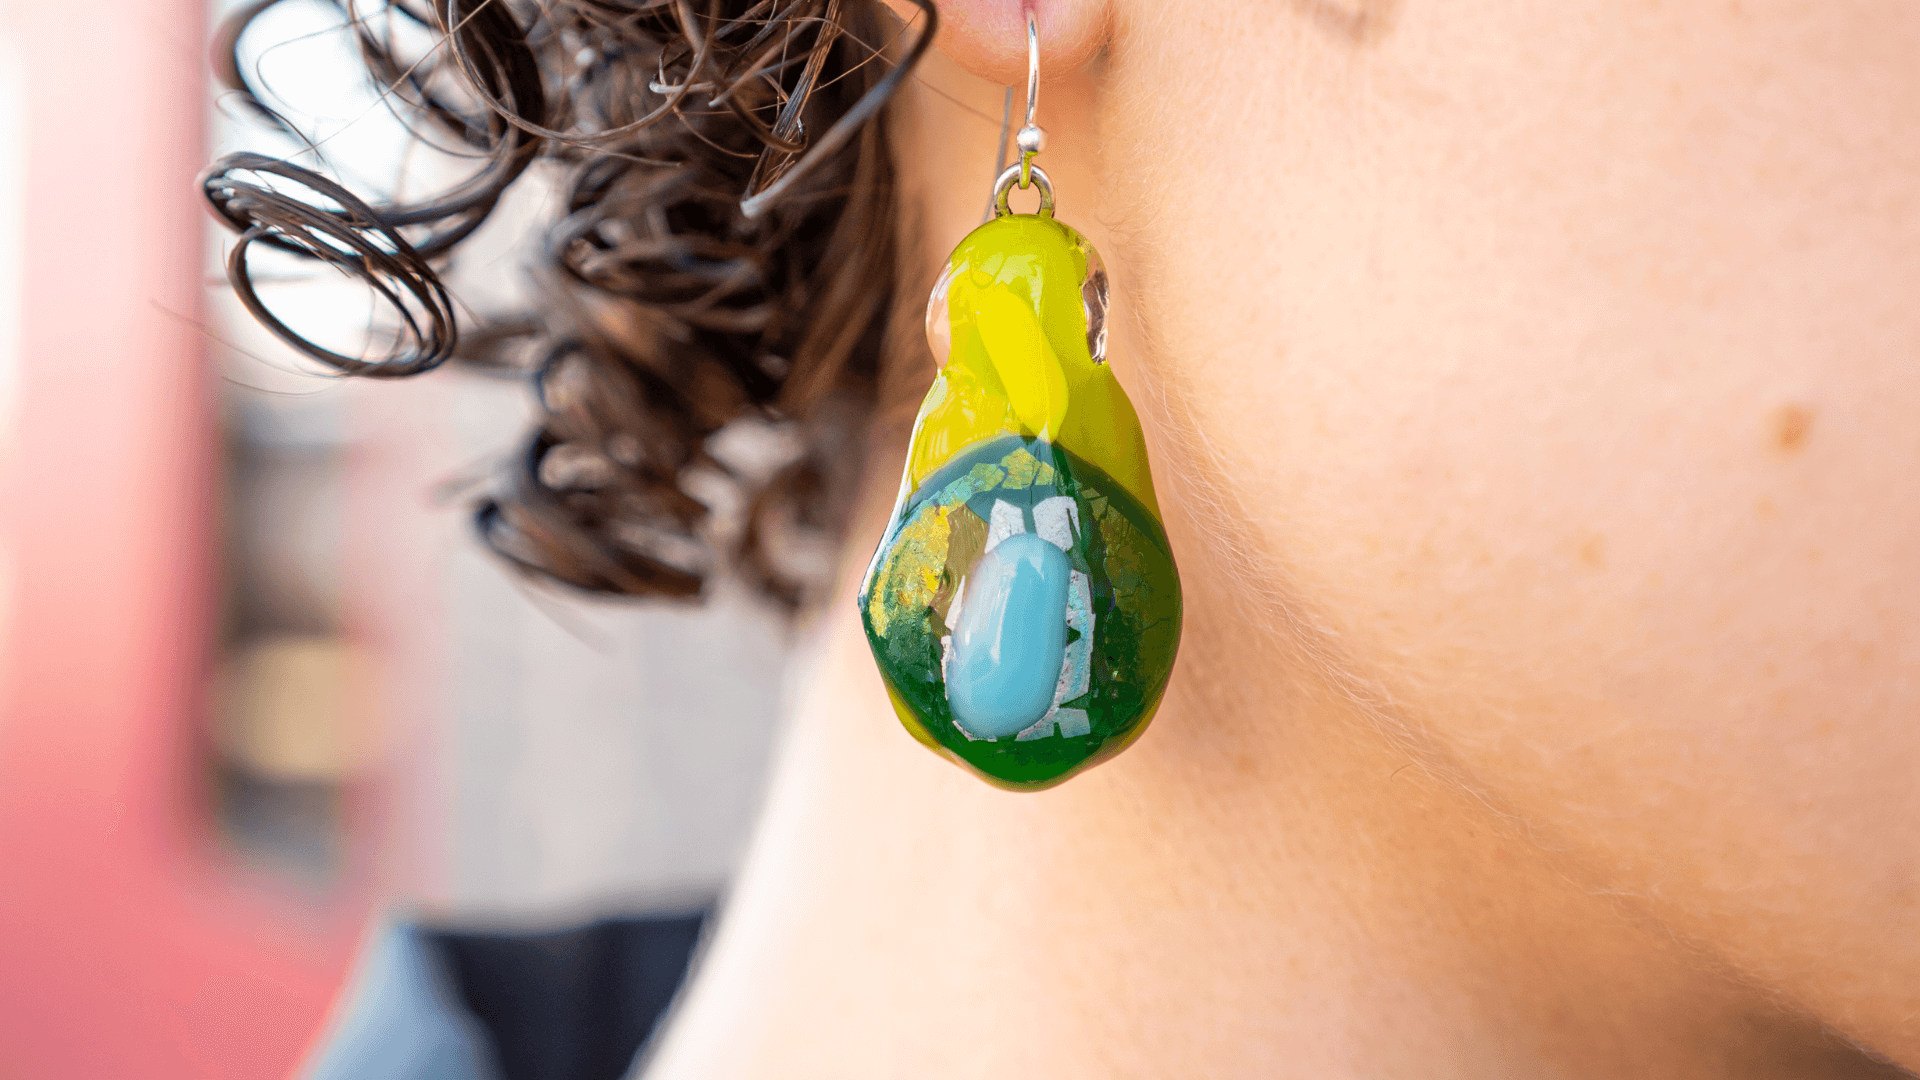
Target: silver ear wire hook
[(1031, 138)]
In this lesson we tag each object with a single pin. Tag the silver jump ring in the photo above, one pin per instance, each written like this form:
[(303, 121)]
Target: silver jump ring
[(1004, 186)]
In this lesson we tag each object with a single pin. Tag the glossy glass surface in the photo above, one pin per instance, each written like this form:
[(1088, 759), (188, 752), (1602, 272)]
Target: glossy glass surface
[(1023, 606)]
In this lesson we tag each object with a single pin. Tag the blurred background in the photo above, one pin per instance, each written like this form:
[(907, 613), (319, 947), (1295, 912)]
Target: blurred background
[(269, 718)]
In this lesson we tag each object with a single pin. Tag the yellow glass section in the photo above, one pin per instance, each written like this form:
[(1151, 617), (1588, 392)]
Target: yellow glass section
[(1019, 362)]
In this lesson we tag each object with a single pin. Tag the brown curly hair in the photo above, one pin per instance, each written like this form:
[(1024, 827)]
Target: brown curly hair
[(726, 253)]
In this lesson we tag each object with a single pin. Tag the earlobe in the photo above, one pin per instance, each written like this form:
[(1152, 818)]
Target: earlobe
[(989, 37)]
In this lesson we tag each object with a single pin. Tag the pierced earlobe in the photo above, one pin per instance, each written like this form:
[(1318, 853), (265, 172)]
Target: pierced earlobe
[(987, 37)]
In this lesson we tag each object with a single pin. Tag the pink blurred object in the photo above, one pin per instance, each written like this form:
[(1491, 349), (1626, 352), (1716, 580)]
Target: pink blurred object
[(129, 947)]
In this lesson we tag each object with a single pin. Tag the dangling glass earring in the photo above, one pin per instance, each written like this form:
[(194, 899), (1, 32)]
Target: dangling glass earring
[(1023, 606)]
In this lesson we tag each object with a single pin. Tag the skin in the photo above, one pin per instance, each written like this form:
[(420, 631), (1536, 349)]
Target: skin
[(1531, 390)]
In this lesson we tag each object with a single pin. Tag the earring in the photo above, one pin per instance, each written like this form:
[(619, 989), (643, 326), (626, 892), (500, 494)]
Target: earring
[(1023, 605)]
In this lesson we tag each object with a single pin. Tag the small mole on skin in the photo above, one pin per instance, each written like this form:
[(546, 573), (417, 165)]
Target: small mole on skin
[(1594, 552), (1790, 424)]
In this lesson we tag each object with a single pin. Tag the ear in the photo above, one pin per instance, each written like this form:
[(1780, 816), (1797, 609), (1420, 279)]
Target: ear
[(989, 37)]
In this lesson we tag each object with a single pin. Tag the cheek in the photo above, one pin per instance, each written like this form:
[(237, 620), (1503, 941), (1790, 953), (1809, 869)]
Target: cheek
[(1572, 387)]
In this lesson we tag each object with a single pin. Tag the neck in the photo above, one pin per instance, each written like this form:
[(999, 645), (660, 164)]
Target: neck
[(1217, 900)]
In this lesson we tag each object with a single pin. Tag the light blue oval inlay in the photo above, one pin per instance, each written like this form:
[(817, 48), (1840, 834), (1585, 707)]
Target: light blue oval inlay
[(1011, 637)]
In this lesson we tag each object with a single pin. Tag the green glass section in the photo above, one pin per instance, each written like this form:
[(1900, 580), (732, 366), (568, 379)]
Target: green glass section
[(1122, 615)]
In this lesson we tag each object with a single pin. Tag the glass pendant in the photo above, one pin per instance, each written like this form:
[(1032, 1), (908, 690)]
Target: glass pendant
[(1023, 605)]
